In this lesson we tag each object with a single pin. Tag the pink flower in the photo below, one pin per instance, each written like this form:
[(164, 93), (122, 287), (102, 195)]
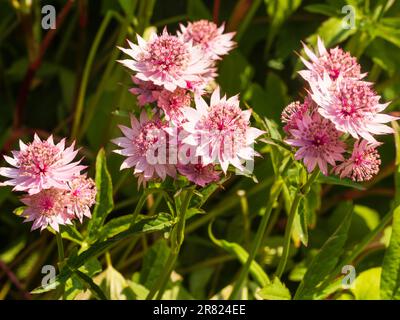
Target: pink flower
[(199, 174), (220, 131), (334, 62), (145, 145), (172, 103), (209, 37), (82, 195), (41, 165), (363, 164), (166, 61), (352, 106), (318, 142), (295, 111), (47, 208), (144, 91)]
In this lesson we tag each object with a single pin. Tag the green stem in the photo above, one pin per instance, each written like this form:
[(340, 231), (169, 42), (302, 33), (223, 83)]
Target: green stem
[(177, 237), (86, 71), (274, 194), (292, 214), (61, 256), (60, 248)]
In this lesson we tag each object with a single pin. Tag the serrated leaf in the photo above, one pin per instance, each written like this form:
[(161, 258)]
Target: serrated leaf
[(104, 197), (275, 290), (327, 258)]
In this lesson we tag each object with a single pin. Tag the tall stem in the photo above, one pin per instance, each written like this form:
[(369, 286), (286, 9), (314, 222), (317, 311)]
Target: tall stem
[(60, 248), (288, 231), (177, 236), (274, 194)]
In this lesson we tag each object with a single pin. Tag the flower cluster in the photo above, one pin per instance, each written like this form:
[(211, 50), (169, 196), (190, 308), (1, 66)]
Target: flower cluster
[(56, 189), (171, 73), (341, 114)]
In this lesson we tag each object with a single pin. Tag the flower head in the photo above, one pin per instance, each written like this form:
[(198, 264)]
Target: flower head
[(48, 207), (295, 111), (220, 131), (166, 61), (199, 174), (172, 103), (144, 91), (81, 195), (41, 165), (145, 145), (363, 164), (211, 38), (335, 62), (318, 142), (353, 107)]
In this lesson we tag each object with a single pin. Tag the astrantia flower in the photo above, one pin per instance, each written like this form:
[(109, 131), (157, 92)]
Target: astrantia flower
[(335, 62), (166, 61), (145, 145), (199, 174), (172, 103), (318, 142), (144, 91), (220, 131), (41, 165), (47, 208), (352, 106), (295, 111), (206, 34), (82, 195), (363, 164)]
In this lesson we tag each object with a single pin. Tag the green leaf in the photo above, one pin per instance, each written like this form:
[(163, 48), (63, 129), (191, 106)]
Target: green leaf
[(94, 288), (104, 197), (112, 283), (241, 254), (324, 9), (390, 281), (366, 285), (390, 34), (339, 182), (135, 291), (327, 258), (332, 32), (275, 290), (144, 225), (153, 263)]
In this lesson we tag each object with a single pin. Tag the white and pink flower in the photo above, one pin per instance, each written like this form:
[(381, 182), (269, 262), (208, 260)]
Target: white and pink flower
[(145, 146), (167, 61), (318, 142), (211, 38), (41, 165), (220, 131)]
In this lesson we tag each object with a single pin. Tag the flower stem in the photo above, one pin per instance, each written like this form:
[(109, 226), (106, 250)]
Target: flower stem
[(60, 248), (288, 231), (274, 194), (177, 236)]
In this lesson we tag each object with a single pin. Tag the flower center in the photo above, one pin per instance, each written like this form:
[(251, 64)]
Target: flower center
[(37, 158), (167, 54), (150, 136)]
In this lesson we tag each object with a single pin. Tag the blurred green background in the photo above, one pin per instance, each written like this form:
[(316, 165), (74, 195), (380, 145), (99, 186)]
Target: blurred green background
[(77, 82)]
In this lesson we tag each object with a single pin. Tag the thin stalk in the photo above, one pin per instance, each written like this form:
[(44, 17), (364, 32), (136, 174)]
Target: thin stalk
[(60, 247), (177, 237), (274, 194), (288, 231), (88, 67)]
